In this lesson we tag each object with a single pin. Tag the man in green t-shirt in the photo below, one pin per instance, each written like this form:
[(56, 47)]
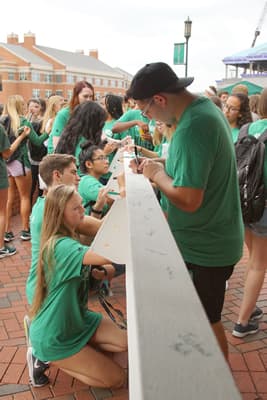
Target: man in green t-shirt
[(199, 181)]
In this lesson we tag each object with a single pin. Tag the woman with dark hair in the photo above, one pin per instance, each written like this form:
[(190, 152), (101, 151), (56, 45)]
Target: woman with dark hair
[(237, 112), (83, 91), (85, 126)]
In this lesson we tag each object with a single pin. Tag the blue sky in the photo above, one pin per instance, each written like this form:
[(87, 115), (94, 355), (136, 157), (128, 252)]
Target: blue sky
[(131, 34)]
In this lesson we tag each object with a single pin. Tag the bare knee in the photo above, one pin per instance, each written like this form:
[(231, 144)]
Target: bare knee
[(119, 380), (124, 342)]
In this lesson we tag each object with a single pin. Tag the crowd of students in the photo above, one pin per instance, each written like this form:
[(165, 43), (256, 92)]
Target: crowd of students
[(185, 147)]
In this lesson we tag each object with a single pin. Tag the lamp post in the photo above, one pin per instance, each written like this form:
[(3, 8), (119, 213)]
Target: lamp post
[(187, 34)]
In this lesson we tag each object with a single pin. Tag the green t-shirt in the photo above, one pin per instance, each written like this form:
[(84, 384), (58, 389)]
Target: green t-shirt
[(89, 188), (59, 124), (201, 155), (162, 148), (64, 325), (256, 129), (134, 132), (22, 152), (4, 145), (235, 133), (36, 221), (107, 131), (77, 154)]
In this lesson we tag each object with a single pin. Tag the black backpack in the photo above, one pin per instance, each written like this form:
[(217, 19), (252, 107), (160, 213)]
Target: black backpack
[(250, 154)]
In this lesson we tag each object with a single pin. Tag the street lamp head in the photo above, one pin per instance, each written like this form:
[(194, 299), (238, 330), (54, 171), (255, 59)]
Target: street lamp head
[(187, 28)]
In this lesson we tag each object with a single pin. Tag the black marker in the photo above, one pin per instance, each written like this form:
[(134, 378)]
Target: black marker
[(136, 156)]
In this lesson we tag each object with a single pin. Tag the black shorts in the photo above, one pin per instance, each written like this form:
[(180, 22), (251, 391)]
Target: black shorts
[(210, 286)]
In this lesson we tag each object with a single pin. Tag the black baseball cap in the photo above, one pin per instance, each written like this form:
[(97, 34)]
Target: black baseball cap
[(155, 78)]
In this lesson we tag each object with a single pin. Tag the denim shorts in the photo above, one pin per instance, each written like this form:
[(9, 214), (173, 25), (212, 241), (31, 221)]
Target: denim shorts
[(15, 168), (259, 228)]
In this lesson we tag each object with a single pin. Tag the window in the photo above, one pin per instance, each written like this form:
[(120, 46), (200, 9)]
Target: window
[(59, 92), (22, 76), (35, 93), (97, 82), (36, 76), (89, 79), (97, 96), (70, 78), (11, 76), (120, 84), (48, 93), (69, 94), (112, 83), (48, 78), (105, 82), (58, 78)]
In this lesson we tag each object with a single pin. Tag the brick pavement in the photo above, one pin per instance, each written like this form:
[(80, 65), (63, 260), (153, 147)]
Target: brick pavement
[(248, 356), (14, 381)]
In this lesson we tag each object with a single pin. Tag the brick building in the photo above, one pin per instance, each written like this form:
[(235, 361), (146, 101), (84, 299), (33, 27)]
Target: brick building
[(38, 71)]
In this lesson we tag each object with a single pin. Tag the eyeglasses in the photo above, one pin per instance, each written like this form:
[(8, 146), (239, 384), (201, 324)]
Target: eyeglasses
[(231, 109), (145, 110), (100, 158)]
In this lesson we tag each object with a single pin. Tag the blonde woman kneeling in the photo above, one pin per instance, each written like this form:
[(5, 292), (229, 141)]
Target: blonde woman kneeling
[(63, 330)]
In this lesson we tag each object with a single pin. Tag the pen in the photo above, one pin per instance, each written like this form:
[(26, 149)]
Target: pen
[(136, 156)]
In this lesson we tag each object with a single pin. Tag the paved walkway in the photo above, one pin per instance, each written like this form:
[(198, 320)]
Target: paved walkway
[(248, 356)]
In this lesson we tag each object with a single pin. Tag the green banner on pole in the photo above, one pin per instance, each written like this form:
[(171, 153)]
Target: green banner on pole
[(178, 54)]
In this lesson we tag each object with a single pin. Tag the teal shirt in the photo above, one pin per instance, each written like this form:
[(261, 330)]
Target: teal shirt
[(201, 156), (235, 133), (64, 325), (134, 132), (36, 221), (33, 137), (89, 188), (107, 130), (256, 129), (59, 124), (77, 154), (4, 145)]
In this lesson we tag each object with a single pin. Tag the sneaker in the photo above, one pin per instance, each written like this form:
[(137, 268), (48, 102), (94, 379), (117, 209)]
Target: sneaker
[(9, 236), (257, 314), (7, 251), (36, 370), (241, 331), (25, 235)]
